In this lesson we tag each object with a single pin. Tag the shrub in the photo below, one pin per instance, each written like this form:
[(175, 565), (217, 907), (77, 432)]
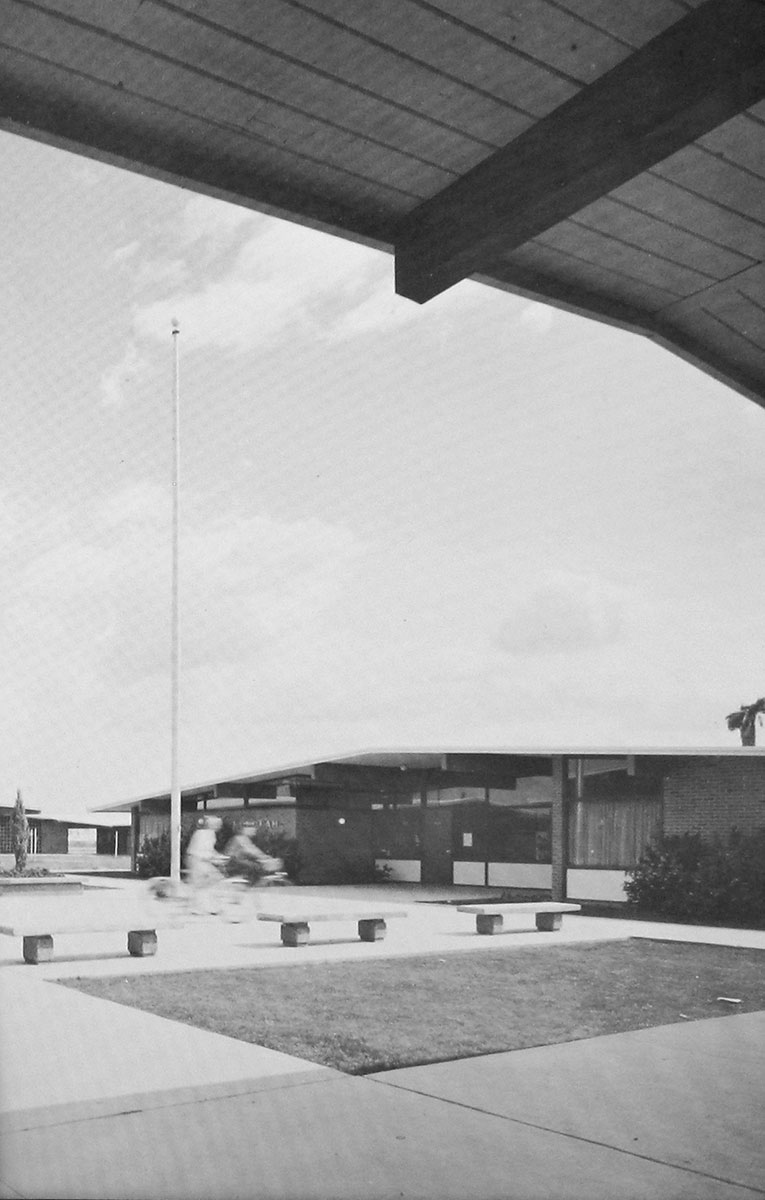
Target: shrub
[(26, 873), (224, 835), (690, 879), (279, 844), (663, 877), (153, 857)]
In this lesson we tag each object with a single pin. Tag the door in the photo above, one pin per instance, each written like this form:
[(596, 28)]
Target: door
[(436, 846)]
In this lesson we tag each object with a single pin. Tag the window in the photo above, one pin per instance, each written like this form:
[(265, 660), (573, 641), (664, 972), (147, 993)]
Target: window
[(6, 836), (612, 833), (519, 835), (396, 832), (454, 795)]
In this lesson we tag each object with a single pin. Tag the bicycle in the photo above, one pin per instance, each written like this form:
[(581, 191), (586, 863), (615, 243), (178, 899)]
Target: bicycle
[(227, 893), (239, 886)]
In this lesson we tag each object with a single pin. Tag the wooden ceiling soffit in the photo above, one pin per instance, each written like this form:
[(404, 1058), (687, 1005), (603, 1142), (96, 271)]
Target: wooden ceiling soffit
[(493, 763), (703, 70), (389, 780), (232, 789), (571, 297), (696, 350), (752, 277), (368, 778), (661, 327), (106, 133)]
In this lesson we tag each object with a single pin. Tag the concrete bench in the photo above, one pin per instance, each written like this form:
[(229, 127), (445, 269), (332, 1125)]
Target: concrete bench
[(488, 917), (296, 926), (36, 931)]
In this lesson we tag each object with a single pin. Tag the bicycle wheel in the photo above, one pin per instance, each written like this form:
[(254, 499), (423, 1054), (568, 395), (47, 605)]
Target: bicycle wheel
[(234, 899)]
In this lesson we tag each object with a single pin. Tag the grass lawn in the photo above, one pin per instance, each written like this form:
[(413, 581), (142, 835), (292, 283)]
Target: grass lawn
[(374, 1016)]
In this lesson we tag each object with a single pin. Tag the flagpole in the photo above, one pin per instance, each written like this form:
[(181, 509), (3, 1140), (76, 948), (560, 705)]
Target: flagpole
[(175, 640)]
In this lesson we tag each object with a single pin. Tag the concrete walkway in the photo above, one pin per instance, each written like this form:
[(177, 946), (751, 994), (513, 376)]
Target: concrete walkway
[(99, 1100)]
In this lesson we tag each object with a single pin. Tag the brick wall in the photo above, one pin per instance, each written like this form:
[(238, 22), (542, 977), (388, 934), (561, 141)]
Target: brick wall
[(711, 796), (52, 838)]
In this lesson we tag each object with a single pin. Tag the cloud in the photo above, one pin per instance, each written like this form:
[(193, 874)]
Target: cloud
[(234, 314), (240, 282), (86, 632), (211, 220), (118, 381), (71, 570), (133, 504), (143, 271), (248, 584), (383, 310), (284, 279), (127, 252), (562, 618), (160, 273), (292, 255), (9, 522)]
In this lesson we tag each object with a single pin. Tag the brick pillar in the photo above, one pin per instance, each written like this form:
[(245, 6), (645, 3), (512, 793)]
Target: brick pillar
[(559, 827)]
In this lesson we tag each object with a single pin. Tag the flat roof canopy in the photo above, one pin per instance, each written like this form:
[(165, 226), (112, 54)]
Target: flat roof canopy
[(604, 156), (402, 771)]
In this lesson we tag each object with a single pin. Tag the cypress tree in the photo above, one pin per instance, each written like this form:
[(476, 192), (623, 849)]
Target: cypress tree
[(20, 831)]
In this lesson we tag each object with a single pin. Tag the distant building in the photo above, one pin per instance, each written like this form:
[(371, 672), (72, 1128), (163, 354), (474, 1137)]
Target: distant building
[(57, 834), (571, 823)]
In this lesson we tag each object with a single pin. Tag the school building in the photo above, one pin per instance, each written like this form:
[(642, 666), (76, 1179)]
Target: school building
[(571, 823), (67, 842)]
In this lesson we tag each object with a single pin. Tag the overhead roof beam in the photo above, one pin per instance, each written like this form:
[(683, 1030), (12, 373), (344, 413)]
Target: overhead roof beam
[(699, 73)]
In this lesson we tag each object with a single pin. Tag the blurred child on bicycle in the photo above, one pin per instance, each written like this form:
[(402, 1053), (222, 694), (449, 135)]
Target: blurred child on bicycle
[(245, 858), (202, 861)]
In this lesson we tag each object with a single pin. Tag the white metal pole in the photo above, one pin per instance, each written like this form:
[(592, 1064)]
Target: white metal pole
[(175, 652)]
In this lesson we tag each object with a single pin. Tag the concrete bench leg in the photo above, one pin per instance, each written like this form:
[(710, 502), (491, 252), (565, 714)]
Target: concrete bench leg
[(372, 931), (488, 922), (38, 948), (142, 943), (295, 934), (548, 922)]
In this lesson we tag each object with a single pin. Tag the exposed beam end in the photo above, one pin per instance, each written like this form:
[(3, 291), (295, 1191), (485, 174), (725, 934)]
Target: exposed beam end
[(418, 282), (699, 73)]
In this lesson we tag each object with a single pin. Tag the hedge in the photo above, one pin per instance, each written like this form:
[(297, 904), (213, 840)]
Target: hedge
[(719, 881)]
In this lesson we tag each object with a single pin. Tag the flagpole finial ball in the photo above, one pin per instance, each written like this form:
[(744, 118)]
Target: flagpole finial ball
[(176, 325)]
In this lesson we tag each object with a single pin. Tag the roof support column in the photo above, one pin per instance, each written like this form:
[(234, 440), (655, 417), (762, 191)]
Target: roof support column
[(559, 833), (134, 832)]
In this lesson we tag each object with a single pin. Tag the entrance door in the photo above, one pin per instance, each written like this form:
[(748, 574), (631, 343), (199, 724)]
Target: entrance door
[(437, 846)]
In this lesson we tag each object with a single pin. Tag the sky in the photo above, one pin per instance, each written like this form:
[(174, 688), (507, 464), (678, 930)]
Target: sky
[(477, 523)]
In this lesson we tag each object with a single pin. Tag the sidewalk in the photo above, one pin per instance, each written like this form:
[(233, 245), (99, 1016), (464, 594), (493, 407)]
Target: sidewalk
[(208, 942), (99, 1100)]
